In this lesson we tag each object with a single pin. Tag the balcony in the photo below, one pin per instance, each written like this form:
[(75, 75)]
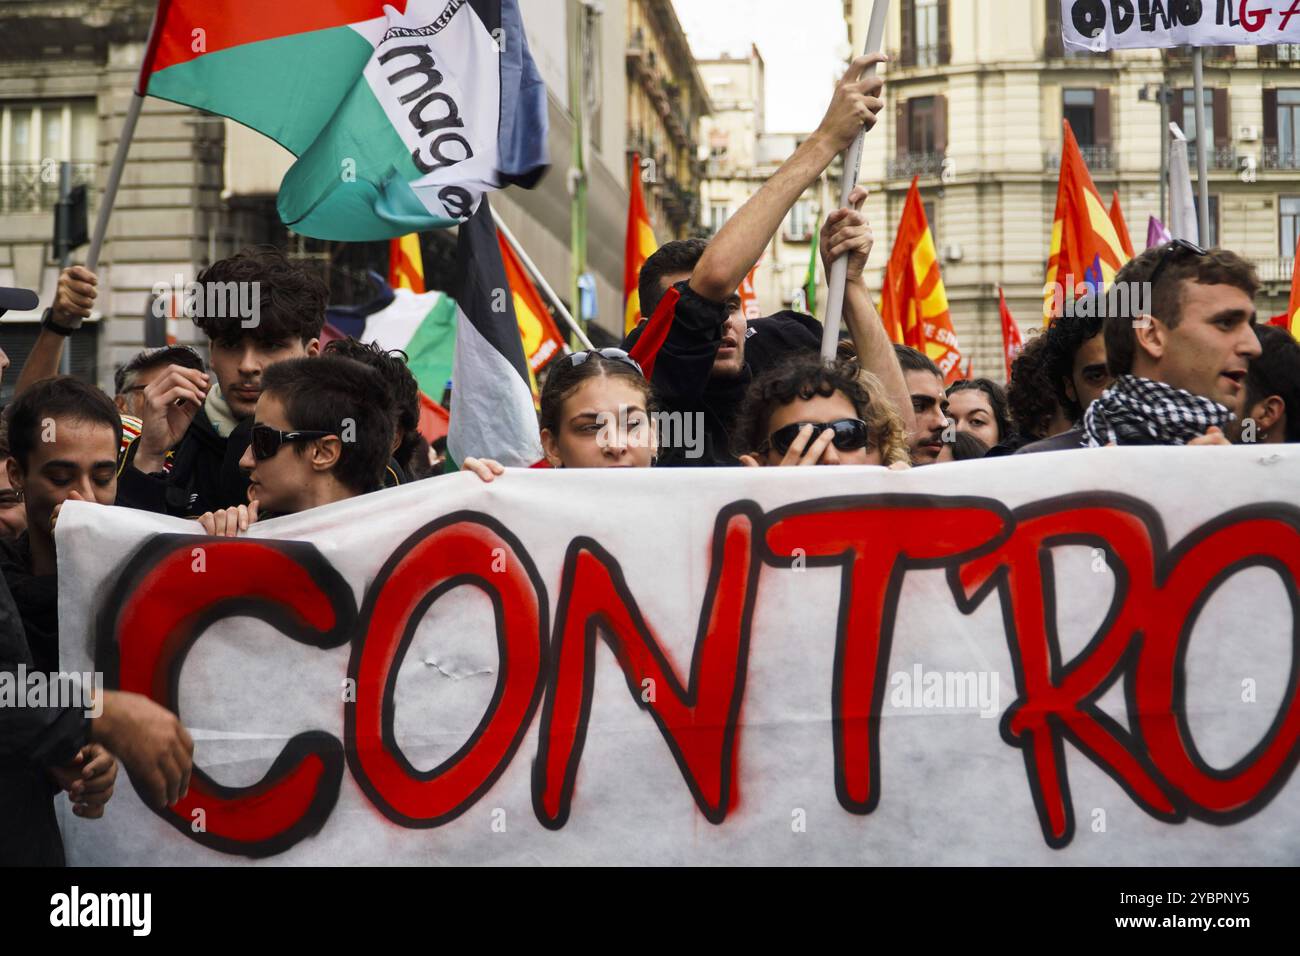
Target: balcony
[(1096, 157), (1275, 270), (1281, 157), (34, 187), (907, 165)]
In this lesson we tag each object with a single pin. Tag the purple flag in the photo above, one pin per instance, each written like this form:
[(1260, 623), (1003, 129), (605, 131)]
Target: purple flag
[(1157, 234)]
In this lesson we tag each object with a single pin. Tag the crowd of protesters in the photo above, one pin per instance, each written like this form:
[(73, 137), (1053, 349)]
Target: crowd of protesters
[(207, 441)]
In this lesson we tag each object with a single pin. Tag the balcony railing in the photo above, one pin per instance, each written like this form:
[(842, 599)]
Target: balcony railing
[(908, 165), (1275, 270), (1097, 157), (1221, 157), (34, 187), (1281, 157)]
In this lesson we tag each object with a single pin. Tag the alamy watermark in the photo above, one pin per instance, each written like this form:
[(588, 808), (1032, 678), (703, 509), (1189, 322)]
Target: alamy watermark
[(60, 689), (213, 300), (1121, 299), (660, 430), (919, 689)]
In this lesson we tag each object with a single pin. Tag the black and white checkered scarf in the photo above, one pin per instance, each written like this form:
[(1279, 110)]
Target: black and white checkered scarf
[(1139, 411)]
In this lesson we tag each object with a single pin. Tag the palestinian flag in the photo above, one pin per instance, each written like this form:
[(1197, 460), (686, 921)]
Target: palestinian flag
[(401, 119), (424, 327), (492, 412)]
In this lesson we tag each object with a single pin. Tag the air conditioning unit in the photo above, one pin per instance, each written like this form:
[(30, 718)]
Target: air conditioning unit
[(952, 252), (1247, 134)]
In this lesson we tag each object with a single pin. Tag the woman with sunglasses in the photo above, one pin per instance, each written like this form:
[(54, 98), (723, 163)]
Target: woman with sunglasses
[(597, 412), (807, 412), (322, 432)]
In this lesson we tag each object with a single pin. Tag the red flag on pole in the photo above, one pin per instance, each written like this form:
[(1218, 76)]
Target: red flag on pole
[(914, 304), (1085, 247), (640, 245), (1012, 343)]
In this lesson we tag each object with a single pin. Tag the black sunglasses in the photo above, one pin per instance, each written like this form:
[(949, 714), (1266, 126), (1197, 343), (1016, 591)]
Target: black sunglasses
[(266, 441), (614, 355), (1170, 252), (850, 435)]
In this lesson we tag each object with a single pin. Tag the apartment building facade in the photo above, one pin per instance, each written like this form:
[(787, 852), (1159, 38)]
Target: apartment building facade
[(975, 96)]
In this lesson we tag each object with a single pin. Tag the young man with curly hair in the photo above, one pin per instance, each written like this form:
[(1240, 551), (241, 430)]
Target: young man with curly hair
[(809, 412), (206, 423)]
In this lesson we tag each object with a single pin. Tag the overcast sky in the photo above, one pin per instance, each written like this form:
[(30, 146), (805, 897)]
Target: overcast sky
[(802, 42)]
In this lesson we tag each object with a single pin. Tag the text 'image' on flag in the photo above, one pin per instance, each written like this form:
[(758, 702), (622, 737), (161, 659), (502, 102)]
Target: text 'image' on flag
[(401, 118)]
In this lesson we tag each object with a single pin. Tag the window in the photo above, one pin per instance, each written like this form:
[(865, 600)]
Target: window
[(35, 135), (1189, 117), (800, 223), (1081, 112), (1289, 214), (927, 32), (1288, 126), (719, 213), (922, 124), (1213, 237)]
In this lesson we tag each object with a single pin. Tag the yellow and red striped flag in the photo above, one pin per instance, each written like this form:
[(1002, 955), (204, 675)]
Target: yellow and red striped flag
[(1086, 249), (541, 337), (641, 245), (913, 303), (405, 264)]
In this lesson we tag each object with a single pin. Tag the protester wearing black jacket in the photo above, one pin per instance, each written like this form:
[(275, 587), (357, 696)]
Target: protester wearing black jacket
[(32, 739), (276, 312), (684, 378)]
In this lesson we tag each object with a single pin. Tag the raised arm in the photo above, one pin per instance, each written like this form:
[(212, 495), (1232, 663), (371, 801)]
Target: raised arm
[(72, 302), (847, 232), (740, 243)]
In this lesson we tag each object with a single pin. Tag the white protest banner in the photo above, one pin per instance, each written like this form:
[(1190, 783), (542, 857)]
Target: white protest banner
[(1077, 658), (1100, 25)]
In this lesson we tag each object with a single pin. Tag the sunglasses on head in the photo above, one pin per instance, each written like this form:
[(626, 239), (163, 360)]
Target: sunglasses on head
[(1169, 253), (613, 355), (267, 441), (851, 434)]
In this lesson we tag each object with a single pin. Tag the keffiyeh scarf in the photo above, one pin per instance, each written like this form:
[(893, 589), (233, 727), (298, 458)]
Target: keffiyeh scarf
[(1140, 411)]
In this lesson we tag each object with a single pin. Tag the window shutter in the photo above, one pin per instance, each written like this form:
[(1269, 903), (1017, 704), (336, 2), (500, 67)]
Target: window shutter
[(1222, 120), (1267, 54), (945, 41), (1270, 118), (901, 132), (941, 125), (1053, 45), (907, 14), (1101, 117)]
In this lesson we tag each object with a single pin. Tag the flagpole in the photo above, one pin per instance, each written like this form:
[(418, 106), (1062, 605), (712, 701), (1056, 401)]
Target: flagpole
[(124, 140), (114, 178), (839, 274), (1202, 147), (541, 280)]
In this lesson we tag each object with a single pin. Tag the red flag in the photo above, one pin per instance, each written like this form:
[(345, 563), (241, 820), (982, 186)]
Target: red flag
[(542, 340), (655, 332), (913, 302), (405, 264), (1085, 248), (1121, 227), (1012, 343), (640, 245)]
